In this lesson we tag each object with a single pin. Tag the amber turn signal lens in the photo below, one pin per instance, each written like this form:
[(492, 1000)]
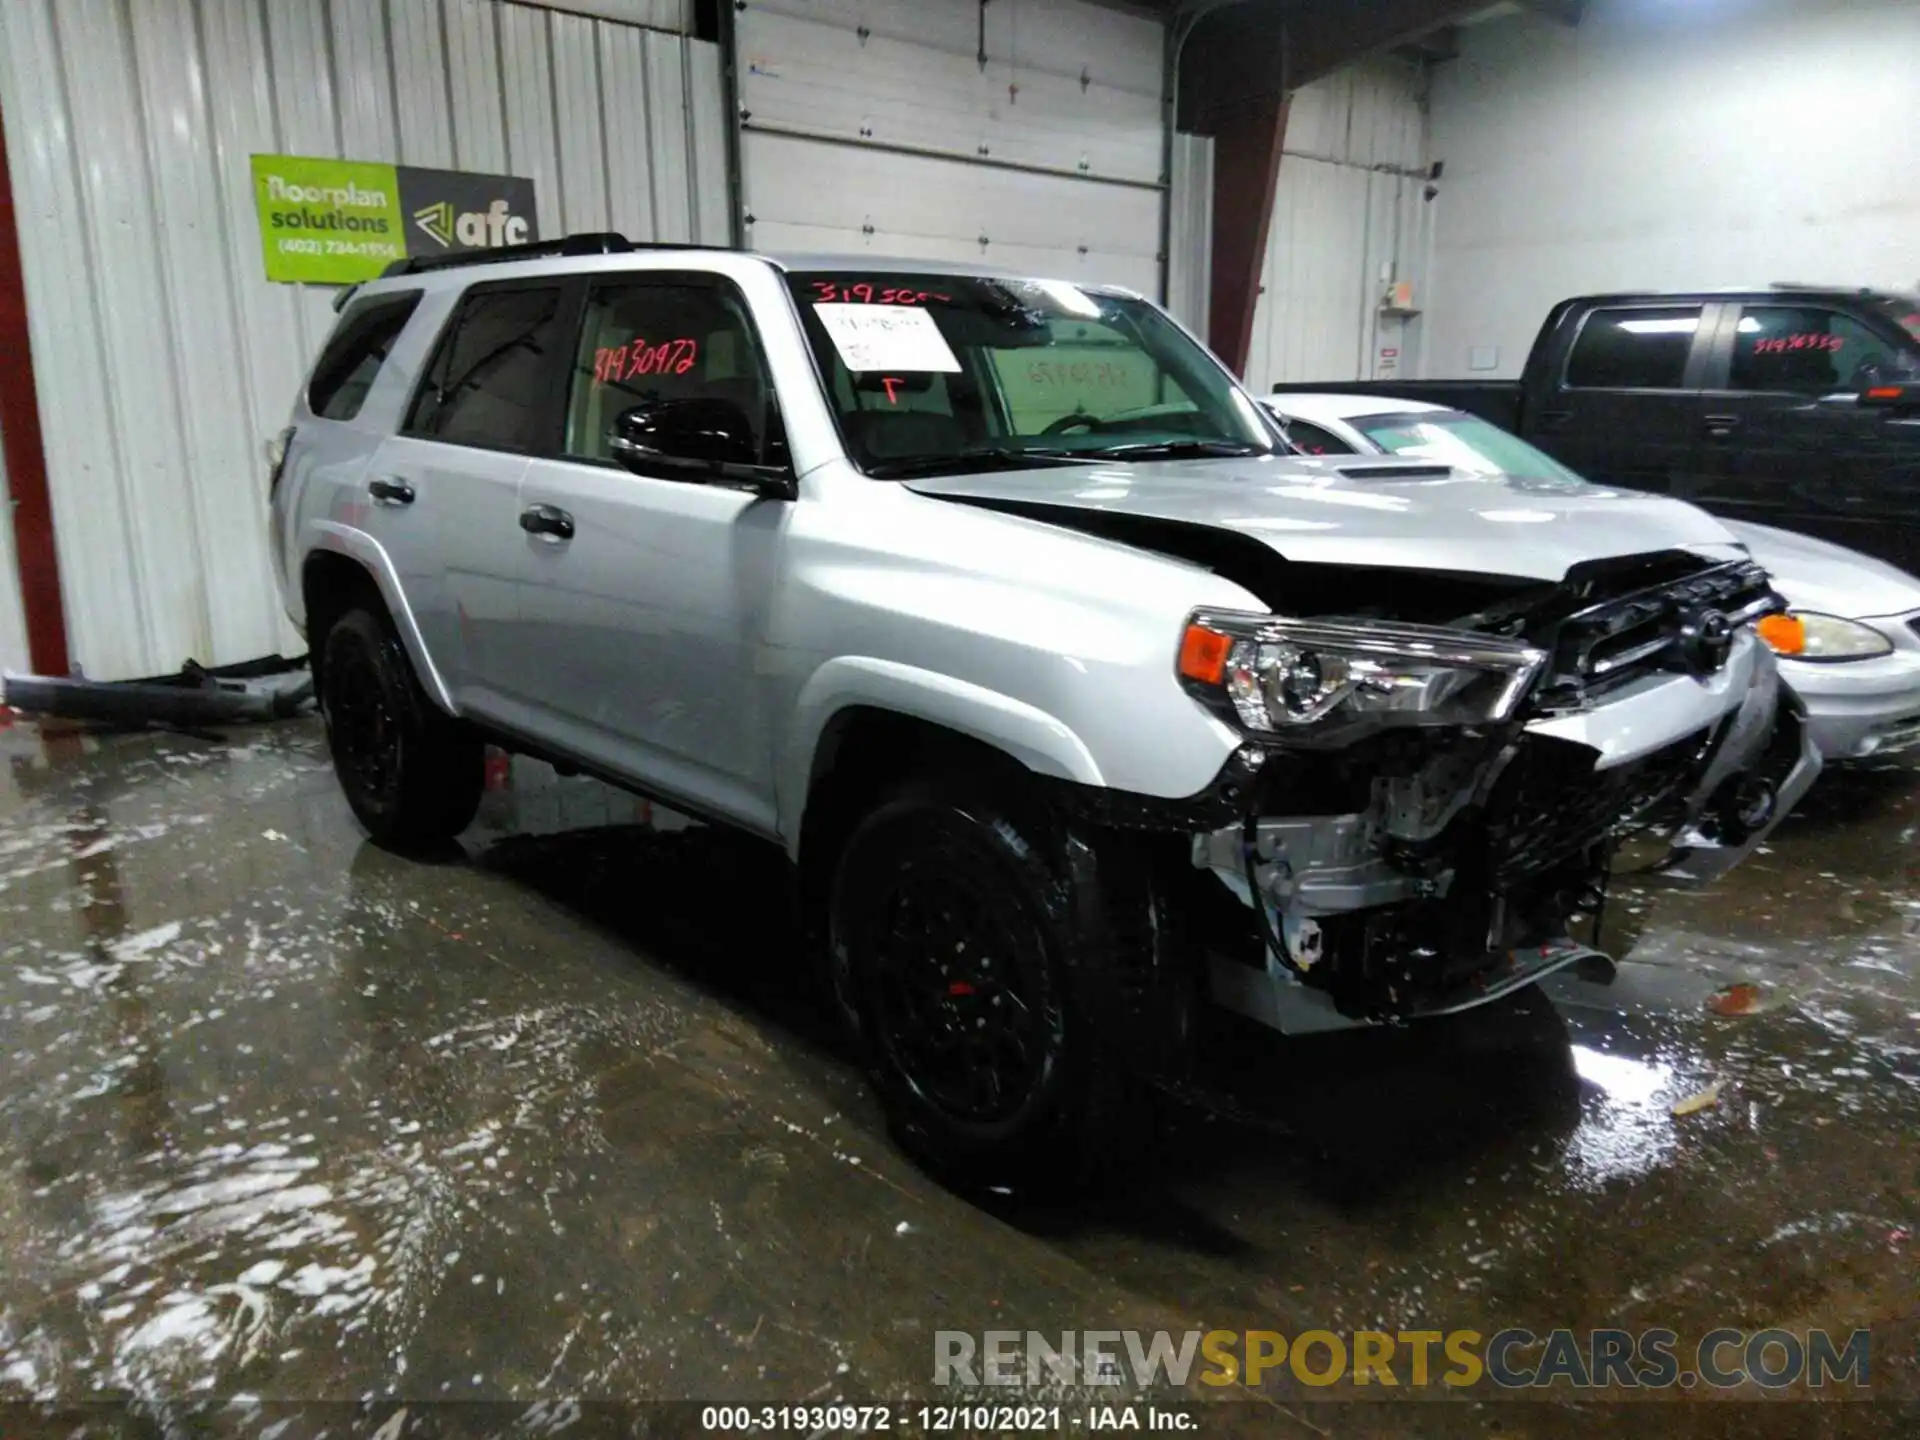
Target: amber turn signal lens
[(1203, 654), (1784, 634)]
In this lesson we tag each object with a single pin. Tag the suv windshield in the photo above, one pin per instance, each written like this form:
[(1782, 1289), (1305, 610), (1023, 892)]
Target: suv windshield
[(1466, 442), (932, 374)]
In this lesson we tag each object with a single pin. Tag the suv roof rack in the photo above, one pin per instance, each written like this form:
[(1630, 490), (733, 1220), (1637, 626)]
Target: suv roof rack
[(592, 243)]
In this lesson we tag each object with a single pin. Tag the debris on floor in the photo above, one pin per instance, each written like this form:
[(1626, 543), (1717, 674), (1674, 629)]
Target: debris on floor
[(1745, 999), (273, 688), (1700, 1100)]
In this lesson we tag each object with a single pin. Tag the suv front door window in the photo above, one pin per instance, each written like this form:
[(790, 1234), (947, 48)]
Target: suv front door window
[(664, 580)]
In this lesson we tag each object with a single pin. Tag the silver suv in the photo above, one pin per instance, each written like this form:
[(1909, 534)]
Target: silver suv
[(1092, 721)]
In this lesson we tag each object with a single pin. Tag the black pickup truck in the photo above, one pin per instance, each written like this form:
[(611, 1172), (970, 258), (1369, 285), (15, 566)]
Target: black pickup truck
[(1796, 406)]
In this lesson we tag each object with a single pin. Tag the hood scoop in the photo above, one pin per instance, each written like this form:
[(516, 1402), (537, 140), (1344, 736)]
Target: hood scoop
[(1395, 472)]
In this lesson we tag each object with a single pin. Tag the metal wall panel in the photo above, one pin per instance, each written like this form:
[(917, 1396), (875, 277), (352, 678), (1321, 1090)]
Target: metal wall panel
[(1190, 233), (1348, 216), (874, 125), (948, 210), (164, 357), (13, 618)]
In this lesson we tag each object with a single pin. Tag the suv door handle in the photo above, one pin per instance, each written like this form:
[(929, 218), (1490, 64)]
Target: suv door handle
[(391, 492), (547, 520), (1719, 427), (1554, 419)]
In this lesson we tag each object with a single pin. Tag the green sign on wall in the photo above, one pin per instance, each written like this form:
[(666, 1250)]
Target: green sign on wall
[(338, 222)]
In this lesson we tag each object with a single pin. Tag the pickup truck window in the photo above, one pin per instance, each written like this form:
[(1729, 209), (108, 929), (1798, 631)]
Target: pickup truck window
[(1633, 349), (492, 371), (1903, 310), (932, 373), (1808, 348), (662, 340)]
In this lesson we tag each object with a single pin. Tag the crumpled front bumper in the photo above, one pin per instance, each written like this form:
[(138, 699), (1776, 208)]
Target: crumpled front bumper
[(1749, 759), (1763, 760), (1783, 758)]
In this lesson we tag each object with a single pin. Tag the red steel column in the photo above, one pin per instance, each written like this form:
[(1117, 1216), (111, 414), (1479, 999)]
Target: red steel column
[(1246, 172), (39, 563)]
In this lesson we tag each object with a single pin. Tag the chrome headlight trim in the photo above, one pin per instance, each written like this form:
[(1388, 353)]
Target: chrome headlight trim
[(1322, 680)]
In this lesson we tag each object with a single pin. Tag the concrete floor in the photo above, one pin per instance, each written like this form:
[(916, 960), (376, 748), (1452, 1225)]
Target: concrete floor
[(283, 1115)]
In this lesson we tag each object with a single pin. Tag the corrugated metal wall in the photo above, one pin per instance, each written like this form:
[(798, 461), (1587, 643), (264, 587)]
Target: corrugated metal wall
[(164, 357), (1342, 211), (1190, 232)]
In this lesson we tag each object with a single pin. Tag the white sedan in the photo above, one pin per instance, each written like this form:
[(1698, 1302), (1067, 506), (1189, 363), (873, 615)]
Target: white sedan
[(1854, 660)]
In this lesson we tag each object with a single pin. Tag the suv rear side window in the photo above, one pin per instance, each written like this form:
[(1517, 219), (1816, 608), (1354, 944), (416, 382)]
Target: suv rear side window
[(355, 352), (1634, 349), (663, 340), (1807, 348), (489, 380)]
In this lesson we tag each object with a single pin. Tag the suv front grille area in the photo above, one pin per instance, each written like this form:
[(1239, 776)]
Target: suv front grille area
[(1680, 624), (1551, 806)]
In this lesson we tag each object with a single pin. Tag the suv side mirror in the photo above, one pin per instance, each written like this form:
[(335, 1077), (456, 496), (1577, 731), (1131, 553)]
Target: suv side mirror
[(1902, 396), (701, 437)]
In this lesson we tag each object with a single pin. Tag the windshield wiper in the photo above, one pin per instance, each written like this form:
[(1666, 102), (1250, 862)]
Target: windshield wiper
[(962, 462), (1175, 450)]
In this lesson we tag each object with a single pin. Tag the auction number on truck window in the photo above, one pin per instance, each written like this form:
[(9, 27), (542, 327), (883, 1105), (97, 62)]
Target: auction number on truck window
[(865, 292), (1780, 344), (638, 357)]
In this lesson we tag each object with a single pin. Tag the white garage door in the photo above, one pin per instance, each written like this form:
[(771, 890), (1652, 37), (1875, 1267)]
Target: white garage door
[(874, 125)]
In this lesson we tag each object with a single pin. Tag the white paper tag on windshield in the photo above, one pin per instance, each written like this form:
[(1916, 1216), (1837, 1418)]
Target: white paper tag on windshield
[(877, 338)]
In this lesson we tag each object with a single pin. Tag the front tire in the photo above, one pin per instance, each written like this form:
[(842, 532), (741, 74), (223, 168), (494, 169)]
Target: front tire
[(950, 921), (412, 774)]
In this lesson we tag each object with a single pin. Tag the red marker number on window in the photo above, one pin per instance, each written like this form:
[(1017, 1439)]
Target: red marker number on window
[(612, 364)]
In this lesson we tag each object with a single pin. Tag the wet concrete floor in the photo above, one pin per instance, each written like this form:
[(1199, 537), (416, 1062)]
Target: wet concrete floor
[(283, 1115)]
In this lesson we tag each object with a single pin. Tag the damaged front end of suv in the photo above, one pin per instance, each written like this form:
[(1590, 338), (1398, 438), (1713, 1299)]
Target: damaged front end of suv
[(1422, 814)]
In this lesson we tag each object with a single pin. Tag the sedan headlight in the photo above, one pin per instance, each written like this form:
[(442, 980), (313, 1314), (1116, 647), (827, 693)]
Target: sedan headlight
[(1804, 635), (1320, 681)]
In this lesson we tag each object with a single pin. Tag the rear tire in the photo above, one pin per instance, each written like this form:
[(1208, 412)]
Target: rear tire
[(412, 774), (951, 942)]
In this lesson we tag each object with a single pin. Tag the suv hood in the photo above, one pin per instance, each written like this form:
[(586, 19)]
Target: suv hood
[(1361, 510)]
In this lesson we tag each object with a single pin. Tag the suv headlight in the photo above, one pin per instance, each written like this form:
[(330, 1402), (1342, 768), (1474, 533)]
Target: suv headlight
[(1805, 635), (1318, 681)]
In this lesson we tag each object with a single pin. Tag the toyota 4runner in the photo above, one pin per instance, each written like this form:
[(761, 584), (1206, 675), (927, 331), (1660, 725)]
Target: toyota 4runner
[(1086, 713)]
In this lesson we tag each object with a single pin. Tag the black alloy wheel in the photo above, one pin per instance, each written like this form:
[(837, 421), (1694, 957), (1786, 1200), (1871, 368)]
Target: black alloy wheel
[(951, 942), (412, 773)]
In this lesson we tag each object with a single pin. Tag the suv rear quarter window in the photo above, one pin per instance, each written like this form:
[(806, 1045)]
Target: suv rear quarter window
[(1634, 349), (354, 353), (493, 371)]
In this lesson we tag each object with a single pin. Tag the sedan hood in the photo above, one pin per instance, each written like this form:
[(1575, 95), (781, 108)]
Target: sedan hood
[(1819, 575), (1360, 510)]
